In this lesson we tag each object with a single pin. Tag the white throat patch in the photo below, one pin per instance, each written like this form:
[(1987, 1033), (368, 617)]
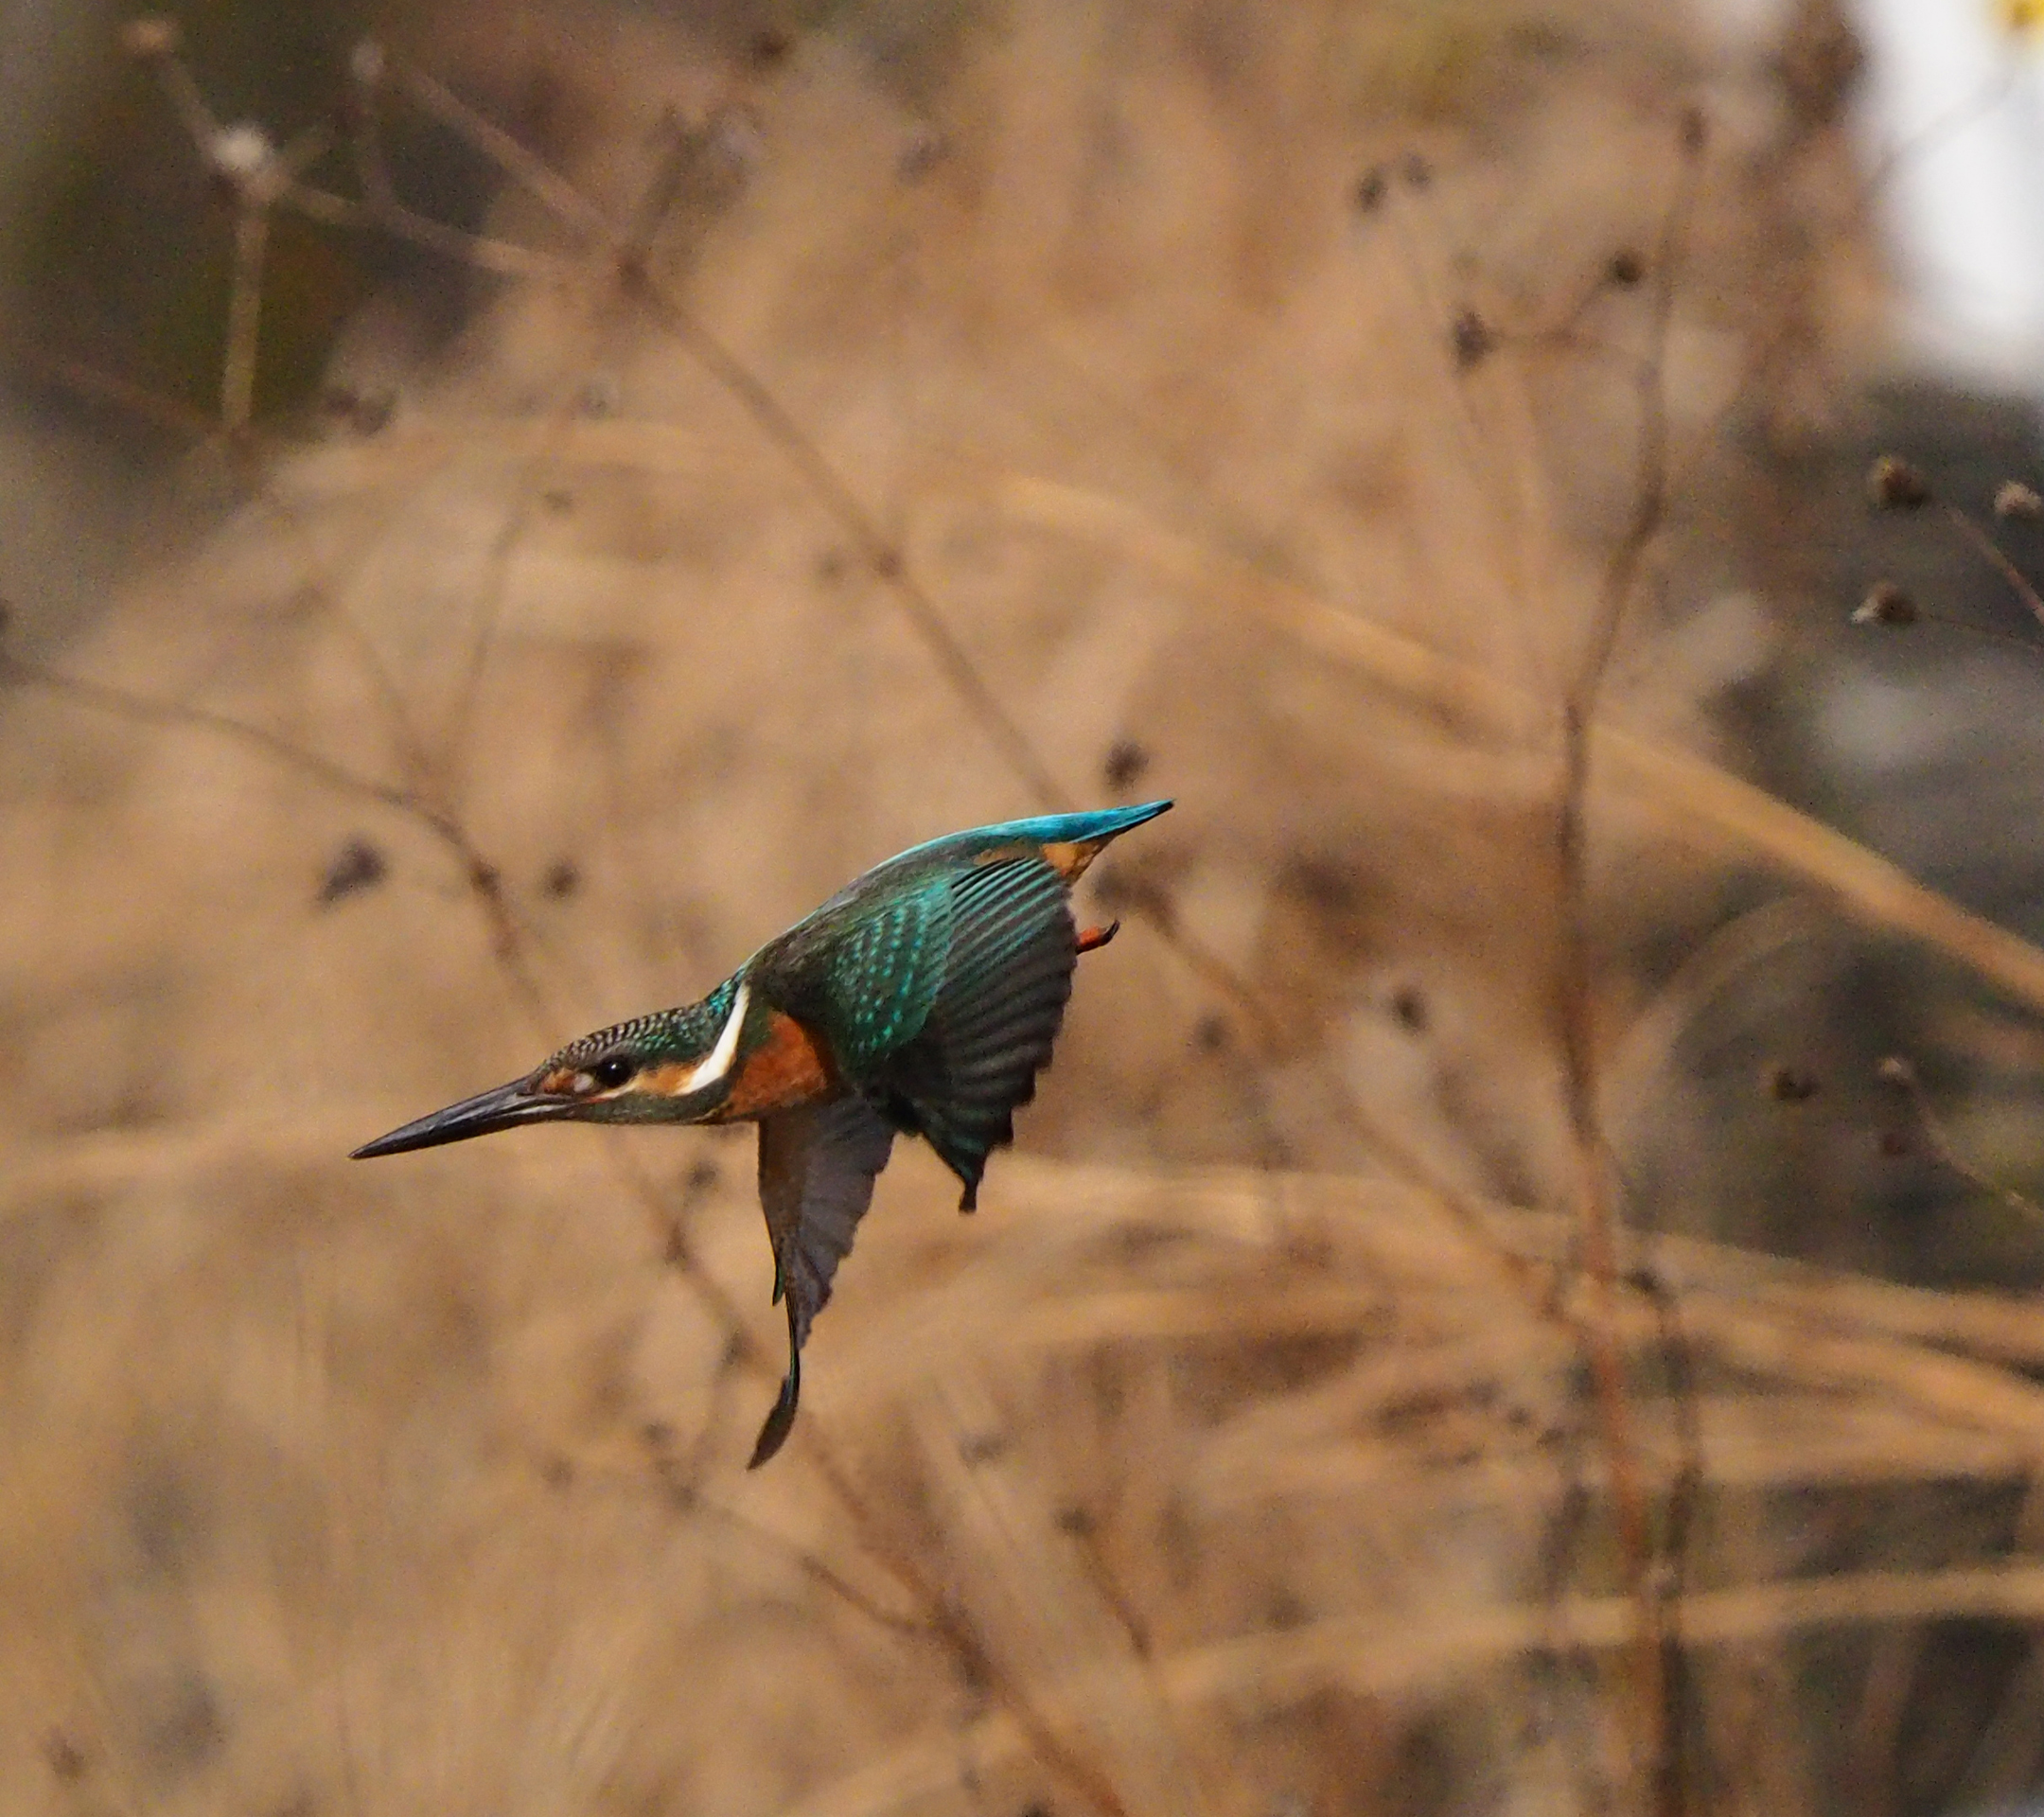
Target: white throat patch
[(717, 1061)]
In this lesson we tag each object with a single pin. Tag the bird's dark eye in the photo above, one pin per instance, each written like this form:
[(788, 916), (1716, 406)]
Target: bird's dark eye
[(612, 1070)]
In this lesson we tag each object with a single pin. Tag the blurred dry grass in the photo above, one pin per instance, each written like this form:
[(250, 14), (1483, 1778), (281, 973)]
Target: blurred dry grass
[(1050, 407), (1173, 1490)]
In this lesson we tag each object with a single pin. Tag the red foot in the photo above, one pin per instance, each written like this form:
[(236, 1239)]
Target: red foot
[(1093, 938)]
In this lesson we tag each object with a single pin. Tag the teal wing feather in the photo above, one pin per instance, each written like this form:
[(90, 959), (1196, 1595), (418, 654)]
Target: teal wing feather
[(991, 1018), (817, 1168), (883, 976)]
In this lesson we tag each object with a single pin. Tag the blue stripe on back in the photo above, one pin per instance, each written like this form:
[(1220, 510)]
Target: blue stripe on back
[(1050, 829)]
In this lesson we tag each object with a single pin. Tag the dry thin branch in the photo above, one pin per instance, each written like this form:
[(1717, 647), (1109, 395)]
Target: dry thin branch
[(498, 256), (1951, 1387), (1575, 1002), (1990, 550), (540, 458), (1039, 1619), (1992, 1328), (1933, 132), (367, 67), (85, 381), (1881, 607), (254, 190), (145, 710), (1669, 1778), (244, 317), (882, 556), (484, 882), (689, 1499), (561, 197), (157, 41), (1899, 1073), (414, 761)]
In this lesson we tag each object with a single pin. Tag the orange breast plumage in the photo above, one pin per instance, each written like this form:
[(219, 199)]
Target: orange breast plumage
[(789, 1067)]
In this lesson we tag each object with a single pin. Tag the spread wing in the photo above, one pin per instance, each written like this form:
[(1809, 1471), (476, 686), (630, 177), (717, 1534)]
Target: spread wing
[(817, 1168), (999, 1001), (882, 974)]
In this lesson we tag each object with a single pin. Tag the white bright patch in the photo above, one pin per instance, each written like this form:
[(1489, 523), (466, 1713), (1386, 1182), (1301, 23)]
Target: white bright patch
[(1961, 107), (719, 1059), (242, 151)]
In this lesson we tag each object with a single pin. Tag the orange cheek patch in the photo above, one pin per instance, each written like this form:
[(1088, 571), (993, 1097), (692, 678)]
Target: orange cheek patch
[(668, 1081), (789, 1067)]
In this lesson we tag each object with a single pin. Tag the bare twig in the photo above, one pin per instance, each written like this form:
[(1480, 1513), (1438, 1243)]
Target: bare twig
[(414, 762), (561, 197), (1669, 1768), (482, 876), (244, 317), (145, 710), (169, 414), (1575, 985), (883, 557), (498, 256), (367, 67), (1990, 551), (687, 1499), (1899, 1072), (157, 43)]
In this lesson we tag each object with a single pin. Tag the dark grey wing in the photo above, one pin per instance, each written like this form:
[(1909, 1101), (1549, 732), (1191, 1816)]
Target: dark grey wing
[(1006, 979), (817, 1168)]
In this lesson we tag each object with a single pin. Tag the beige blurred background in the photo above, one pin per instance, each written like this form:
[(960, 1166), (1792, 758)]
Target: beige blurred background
[(507, 507)]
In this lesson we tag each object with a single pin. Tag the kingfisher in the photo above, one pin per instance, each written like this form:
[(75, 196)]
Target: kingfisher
[(921, 999)]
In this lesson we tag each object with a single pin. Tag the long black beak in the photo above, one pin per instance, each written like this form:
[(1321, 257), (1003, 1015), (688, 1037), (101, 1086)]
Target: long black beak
[(486, 1112)]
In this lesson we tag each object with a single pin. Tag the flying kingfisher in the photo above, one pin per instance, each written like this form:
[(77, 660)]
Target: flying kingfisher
[(921, 999)]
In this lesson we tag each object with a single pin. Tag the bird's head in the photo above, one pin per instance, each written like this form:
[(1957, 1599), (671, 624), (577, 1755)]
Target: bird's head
[(674, 1066)]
